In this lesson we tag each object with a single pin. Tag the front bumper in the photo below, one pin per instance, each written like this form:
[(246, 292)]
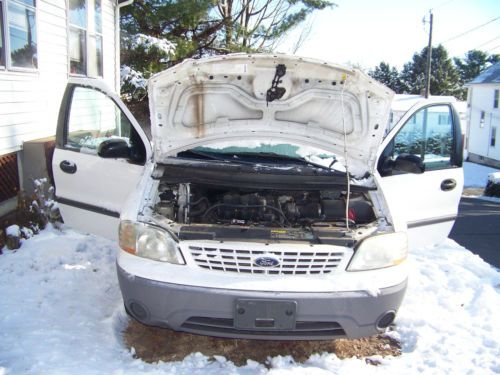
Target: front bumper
[(210, 311)]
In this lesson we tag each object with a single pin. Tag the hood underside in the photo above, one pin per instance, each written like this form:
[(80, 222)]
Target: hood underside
[(275, 98)]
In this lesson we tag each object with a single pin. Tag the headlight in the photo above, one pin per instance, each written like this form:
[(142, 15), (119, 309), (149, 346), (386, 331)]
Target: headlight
[(150, 242), (380, 251)]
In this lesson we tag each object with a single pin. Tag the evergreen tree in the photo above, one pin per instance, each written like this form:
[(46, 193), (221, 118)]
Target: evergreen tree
[(186, 23), (473, 64), (387, 75), (445, 79)]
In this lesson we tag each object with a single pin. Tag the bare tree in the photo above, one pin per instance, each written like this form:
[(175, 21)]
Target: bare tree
[(305, 34), (251, 25)]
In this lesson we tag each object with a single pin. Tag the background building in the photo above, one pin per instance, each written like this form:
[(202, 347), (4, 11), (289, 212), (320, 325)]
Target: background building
[(483, 100)]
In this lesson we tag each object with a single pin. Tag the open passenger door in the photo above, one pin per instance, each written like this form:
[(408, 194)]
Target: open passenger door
[(420, 172)]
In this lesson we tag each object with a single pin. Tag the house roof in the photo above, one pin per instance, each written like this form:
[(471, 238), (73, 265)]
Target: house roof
[(490, 75)]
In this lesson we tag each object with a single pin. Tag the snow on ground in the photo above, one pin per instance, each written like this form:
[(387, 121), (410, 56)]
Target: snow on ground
[(61, 313), (476, 175)]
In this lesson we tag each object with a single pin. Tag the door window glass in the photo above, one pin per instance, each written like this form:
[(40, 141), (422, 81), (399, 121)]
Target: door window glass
[(428, 134), (94, 118)]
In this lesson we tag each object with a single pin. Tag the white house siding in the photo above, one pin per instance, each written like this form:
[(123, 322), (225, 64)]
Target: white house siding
[(481, 99), (29, 101)]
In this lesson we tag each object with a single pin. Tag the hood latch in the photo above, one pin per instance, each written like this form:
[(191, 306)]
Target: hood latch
[(276, 92)]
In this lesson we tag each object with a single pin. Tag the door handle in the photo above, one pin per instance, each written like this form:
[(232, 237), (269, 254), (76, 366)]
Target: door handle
[(448, 184), (67, 166)]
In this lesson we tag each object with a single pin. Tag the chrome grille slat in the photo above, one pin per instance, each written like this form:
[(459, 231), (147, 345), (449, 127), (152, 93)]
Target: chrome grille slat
[(225, 259)]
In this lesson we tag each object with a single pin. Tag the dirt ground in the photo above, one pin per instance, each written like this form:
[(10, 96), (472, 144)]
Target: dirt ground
[(157, 344), (472, 192)]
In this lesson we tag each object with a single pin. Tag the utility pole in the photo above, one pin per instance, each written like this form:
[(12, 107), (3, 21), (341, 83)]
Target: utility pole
[(429, 56)]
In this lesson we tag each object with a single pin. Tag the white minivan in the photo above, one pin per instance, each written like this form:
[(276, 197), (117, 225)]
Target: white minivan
[(270, 203)]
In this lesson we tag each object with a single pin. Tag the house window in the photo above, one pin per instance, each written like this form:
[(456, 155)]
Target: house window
[(443, 119), (493, 137), (85, 37), (481, 122), (495, 98), (18, 39)]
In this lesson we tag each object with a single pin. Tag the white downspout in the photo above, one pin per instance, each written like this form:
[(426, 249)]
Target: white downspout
[(117, 42)]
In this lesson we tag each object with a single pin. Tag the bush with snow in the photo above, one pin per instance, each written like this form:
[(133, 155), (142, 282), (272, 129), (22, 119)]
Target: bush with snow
[(493, 185), (143, 55), (32, 214), (150, 43)]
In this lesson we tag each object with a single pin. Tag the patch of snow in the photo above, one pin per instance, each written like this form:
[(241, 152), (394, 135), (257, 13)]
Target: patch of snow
[(494, 177), (39, 182), (132, 77), (13, 230), (148, 42), (476, 175), (61, 292), (26, 232)]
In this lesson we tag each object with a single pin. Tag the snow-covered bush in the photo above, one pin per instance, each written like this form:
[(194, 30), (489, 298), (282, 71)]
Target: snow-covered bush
[(142, 56), (493, 185), (133, 84), (33, 213), (150, 43), (44, 204)]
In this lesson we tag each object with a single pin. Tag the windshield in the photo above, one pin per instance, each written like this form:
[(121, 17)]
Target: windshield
[(266, 150)]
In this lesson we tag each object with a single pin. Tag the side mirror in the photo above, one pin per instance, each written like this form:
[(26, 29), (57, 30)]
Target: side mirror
[(409, 163), (113, 148)]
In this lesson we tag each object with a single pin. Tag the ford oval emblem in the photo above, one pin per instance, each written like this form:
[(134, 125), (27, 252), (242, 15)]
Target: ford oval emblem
[(266, 261)]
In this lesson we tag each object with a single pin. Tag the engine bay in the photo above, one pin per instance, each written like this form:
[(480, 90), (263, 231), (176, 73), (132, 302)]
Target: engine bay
[(188, 203)]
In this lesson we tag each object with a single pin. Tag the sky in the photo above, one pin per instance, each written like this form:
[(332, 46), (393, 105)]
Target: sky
[(366, 32)]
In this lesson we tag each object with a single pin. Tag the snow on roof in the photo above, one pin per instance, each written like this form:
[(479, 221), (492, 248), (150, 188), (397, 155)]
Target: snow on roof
[(490, 75), (403, 102)]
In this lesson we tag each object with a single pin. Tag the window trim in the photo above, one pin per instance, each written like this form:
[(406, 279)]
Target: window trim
[(88, 36), (5, 17)]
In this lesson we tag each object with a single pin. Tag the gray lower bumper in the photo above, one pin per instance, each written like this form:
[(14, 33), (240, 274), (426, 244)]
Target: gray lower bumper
[(209, 311)]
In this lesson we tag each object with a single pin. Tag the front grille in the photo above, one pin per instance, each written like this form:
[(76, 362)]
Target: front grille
[(226, 326), (229, 259)]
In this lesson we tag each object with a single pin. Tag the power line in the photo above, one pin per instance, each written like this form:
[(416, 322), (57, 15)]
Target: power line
[(491, 49), (489, 41), (442, 5), (471, 30)]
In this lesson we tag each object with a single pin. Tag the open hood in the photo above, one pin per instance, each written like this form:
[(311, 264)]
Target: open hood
[(278, 98)]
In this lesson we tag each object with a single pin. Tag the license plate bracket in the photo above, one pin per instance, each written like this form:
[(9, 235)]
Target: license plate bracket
[(264, 315)]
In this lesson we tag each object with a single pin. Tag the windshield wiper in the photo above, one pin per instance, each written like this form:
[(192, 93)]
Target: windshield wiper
[(291, 158), (217, 156), (230, 158)]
